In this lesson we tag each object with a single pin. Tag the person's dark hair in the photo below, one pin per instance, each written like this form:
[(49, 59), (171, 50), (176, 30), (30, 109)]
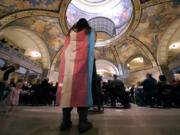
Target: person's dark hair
[(80, 25), (149, 75), (45, 81), (19, 81), (83, 24), (162, 78), (115, 76)]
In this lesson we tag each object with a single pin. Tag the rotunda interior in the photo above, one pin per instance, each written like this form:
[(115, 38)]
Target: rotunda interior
[(134, 36)]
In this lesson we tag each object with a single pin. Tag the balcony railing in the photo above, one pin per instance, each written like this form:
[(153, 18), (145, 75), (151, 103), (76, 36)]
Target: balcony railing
[(13, 55)]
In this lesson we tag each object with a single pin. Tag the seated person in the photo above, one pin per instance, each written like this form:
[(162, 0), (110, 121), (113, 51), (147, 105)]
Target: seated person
[(164, 92), (117, 90)]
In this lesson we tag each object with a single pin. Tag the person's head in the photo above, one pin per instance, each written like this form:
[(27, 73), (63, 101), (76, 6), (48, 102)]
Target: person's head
[(26, 83), (109, 81), (45, 81), (16, 66), (83, 24), (138, 84), (148, 75), (56, 83), (162, 78), (115, 77), (38, 81), (12, 80), (19, 84)]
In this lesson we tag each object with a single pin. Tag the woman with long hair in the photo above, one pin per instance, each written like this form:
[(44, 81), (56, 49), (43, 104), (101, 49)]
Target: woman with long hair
[(75, 77)]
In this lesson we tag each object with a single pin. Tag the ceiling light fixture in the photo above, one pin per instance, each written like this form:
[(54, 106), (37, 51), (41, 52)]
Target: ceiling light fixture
[(174, 46), (35, 54), (139, 59)]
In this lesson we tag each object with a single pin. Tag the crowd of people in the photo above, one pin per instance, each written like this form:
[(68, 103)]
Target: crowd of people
[(39, 93), (158, 94), (149, 92)]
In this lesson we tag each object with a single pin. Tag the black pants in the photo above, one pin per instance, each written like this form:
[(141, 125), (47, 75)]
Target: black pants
[(78, 108), (149, 99)]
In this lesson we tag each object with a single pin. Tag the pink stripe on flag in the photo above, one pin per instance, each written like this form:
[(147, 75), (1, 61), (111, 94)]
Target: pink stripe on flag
[(79, 83)]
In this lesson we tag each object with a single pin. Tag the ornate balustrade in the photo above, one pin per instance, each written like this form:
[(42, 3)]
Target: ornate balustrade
[(13, 55)]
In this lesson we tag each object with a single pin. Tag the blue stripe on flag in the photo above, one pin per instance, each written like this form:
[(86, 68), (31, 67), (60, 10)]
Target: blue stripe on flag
[(91, 43)]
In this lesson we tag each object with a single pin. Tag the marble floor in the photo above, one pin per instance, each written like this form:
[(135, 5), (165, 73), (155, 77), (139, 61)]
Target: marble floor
[(134, 121)]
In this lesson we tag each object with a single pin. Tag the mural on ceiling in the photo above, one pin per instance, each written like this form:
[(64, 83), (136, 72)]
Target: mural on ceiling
[(155, 20), (126, 50), (45, 27), (105, 53), (120, 14), (7, 6)]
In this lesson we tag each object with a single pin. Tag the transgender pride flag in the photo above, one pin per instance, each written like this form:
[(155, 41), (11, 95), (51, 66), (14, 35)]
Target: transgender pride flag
[(75, 74)]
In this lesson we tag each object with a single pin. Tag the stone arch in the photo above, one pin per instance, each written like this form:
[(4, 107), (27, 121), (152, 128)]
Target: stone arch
[(144, 50), (162, 51), (104, 64), (33, 38)]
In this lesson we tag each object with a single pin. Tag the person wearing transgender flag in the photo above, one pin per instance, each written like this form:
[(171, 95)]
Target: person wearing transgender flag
[(75, 75)]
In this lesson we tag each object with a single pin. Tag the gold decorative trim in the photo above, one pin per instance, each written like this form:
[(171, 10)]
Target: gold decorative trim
[(25, 13), (117, 58), (62, 16), (154, 2)]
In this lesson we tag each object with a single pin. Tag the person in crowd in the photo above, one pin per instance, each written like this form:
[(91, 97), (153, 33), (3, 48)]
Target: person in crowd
[(3, 89), (24, 99), (51, 94), (164, 92), (150, 89), (96, 88), (4, 85), (45, 90), (117, 90), (35, 92), (13, 98), (54, 90), (12, 82), (132, 93), (75, 81), (9, 69), (106, 89), (176, 92), (139, 94)]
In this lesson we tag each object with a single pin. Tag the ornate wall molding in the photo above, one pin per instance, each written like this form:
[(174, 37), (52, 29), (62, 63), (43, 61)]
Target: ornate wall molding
[(25, 13)]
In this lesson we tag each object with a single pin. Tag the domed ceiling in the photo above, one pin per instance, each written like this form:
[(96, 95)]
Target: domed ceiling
[(102, 14)]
